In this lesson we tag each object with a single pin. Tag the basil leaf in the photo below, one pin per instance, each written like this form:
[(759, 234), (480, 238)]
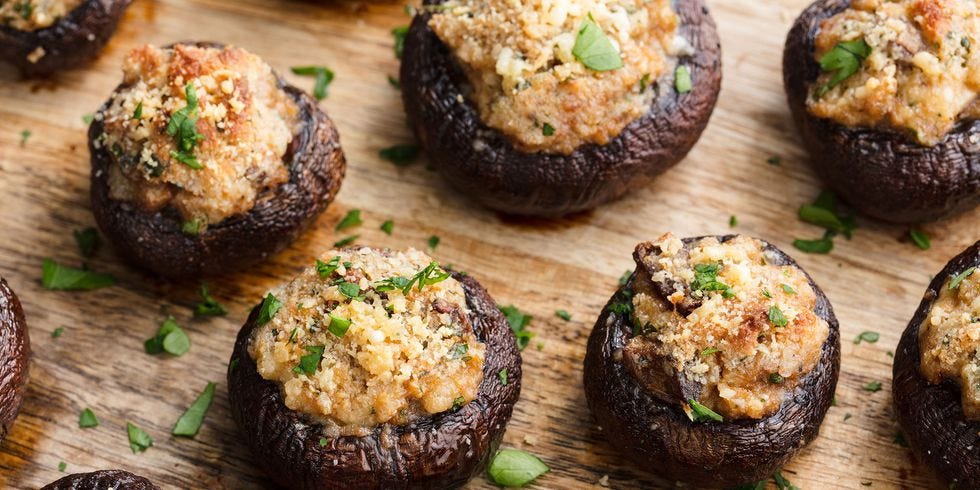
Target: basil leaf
[(593, 49), (139, 440), (87, 419), (515, 468), (190, 421), (59, 277)]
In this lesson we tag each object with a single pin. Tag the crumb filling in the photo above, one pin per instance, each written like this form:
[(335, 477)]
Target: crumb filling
[(32, 15), (922, 75), (371, 337), (721, 324), (203, 130), (949, 339), (527, 81)]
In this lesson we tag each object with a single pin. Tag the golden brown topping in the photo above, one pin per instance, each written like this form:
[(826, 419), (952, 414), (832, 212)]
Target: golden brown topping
[(923, 71), (31, 15), (204, 130), (721, 324), (355, 345), (949, 339), (529, 84)]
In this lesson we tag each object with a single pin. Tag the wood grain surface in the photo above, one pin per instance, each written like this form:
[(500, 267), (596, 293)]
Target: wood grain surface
[(875, 280)]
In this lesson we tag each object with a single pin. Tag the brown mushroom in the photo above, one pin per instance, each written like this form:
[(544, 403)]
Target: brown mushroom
[(116, 479), (15, 357)]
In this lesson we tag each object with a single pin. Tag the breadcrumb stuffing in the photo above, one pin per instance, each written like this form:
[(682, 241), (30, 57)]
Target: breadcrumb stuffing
[(404, 356), (923, 73), (949, 340), (731, 352), (519, 58), (31, 15)]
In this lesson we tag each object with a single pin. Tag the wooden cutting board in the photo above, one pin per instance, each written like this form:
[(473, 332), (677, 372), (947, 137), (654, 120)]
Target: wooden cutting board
[(875, 280)]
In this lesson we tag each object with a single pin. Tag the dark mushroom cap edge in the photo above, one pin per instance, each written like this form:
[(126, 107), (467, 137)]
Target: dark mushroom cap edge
[(70, 42), (932, 415), (122, 480), (443, 450), (506, 179), (156, 242), (881, 172), (659, 437), (15, 357)]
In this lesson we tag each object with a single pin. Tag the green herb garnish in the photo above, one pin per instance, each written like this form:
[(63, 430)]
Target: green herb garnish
[(323, 441), (920, 239), (709, 351), (59, 277), (394, 82), (873, 386), (777, 317), (502, 375), (782, 483), (774, 160), (309, 363), (351, 219), (955, 283), (776, 378), (564, 315), (343, 242), (192, 227), (208, 305), (682, 79), (547, 129), (24, 9), (87, 240), (515, 468), (183, 127), (433, 242), (818, 246), (270, 306), (843, 60), (326, 269), (57, 332), (338, 326), (388, 227), (139, 440), (869, 337), (323, 76), (190, 421), (62, 466), (459, 351), (701, 413), (623, 279), (706, 279), (24, 136), (400, 155), (399, 32), (170, 338), (732, 221), (787, 288), (350, 290), (518, 321), (429, 275), (138, 113), (87, 419), (88, 118), (593, 49)]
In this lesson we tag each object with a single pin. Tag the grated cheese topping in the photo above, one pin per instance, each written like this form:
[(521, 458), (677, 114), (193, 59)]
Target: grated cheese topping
[(518, 57), (245, 119), (404, 356), (949, 340), (31, 15), (720, 341), (923, 73)]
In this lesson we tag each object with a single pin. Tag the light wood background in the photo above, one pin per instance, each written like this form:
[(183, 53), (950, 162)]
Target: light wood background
[(874, 281)]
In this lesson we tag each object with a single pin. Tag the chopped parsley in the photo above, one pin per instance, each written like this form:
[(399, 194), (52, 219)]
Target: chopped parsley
[(900, 439), (502, 375), (350, 290), (326, 269), (518, 321), (323, 76), (88, 118), (818, 246), (732, 221), (920, 239), (625, 278), (138, 113), (593, 49), (701, 413), (459, 351), (868, 336), (139, 440), (433, 242), (874, 386), (400, 155), (388, 226), (394, 82), (399, 33), (338, 326), (547, 129), (309, 363), (343, 242), (24, 136), (564, 315), (787, 288), (515, 468), (183, 127), (62, 466), (192, 227), (682, 79), (709, 351), (208, 305), (429, 275), (458, 402), (170, 338), (351, 219), (843, 61), (775, 160), (87, 419), (955, 282), (706, 279), (87, 240), (776, 378), (24, 9), (782, 483), (57, 332), (777, 317), (270, 306), (59, 277), (190, 421)]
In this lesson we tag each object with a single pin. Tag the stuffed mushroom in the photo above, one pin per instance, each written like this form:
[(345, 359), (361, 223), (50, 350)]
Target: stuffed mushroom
[(547, 109), (715, 362), (884, 95), (937, 374), (103, 479), (205, 160), (41, 37), (15, 357), (374, 369)]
